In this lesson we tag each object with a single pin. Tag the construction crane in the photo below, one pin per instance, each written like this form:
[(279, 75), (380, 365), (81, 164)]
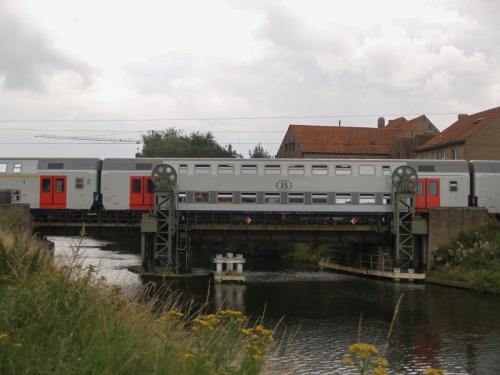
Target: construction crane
[(92, 139)]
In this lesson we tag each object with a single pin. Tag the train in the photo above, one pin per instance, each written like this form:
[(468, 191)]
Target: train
[(334, 187)]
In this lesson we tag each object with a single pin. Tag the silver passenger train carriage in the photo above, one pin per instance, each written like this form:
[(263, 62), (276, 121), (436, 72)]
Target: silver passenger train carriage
[(334, 187)]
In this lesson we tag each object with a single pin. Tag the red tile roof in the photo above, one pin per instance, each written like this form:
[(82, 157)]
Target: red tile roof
[(462, 129), (344, 140), (398, 123)]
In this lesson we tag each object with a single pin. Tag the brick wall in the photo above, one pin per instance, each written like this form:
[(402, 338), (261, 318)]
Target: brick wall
[(445, 224), (485, 144)]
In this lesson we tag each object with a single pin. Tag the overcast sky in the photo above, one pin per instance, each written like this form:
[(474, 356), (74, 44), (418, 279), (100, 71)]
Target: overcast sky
[(352, 60)]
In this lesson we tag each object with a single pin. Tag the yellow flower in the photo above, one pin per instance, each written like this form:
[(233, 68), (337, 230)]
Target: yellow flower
[(381, 362), (380, 371), (433, 371), (187, 356), (17, 344), (4, 336), (347, 361), (171, 315), (247, 331)]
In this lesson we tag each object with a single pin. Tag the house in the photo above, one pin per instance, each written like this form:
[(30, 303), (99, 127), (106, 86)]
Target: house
[(398, 139), (471, 137)]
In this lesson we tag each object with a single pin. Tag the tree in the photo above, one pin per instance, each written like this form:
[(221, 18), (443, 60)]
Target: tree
[(172, 143), (259, 152)]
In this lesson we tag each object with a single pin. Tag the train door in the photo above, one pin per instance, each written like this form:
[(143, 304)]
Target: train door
[(141, 193), (428, 193), (53, 192)]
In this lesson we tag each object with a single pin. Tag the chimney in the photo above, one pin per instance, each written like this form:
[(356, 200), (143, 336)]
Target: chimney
[(462, 115), (381, 122)]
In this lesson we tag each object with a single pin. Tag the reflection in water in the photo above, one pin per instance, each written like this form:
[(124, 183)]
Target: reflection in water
[(453, 329), (229, 296)]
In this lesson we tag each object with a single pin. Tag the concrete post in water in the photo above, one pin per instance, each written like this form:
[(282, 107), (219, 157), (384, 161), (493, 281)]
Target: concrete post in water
[(225, 270)]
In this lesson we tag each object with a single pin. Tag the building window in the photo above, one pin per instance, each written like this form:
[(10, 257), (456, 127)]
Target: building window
[(343, 170), (386, 199), (46, 185), (386, 170), (201, 197), (366, 198), (319, 198), (453, 186), (202, 169), (272, 169), (183, 169), (319, 169), (295, 169), (367, 170), (248, 197), (433, 188), (78, 183), (272, 198), (434, 155), (342, 198), (248, 169), (454, 154), (17, 168), (3, 168), (136, 186), (224, 197), (225, 169), (59, 185), (143, 167), (55, 166), (296, 198), (182, 197)]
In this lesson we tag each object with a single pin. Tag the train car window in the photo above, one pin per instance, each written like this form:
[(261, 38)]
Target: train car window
[(59, 185), (420, 189), (386, 199), (319, 198), (366, 198), (143, 167), (272, 169), (55, 166), (224, 197), (367, 170), (320, 169), (182, 197), (17, 168), (202, 197), (343, 170), (248, 169), (150, 187), (296, 198), (272, 198), (78, 183), (3, 168), (453, 186), (225, 169), (426, 168), (183, 169), (136, 186), (248, 197), (202, 169), (386, 170), (46, 185), (295, 169), (433, 188), (343, 199)]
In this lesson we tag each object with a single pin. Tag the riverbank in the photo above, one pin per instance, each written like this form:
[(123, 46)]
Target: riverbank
[(62, 320), (471, 262)]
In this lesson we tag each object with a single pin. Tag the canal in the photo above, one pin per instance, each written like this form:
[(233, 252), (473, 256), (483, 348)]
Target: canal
[(322, 313)]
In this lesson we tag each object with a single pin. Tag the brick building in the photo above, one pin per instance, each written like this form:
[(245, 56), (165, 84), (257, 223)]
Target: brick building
[(471, 137), (398, 139)]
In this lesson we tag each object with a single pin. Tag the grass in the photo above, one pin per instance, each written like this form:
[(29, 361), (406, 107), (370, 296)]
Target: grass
[(474, 258), (62, 320)]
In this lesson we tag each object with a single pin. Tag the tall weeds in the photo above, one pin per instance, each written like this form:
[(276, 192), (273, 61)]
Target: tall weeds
[(62, 320)]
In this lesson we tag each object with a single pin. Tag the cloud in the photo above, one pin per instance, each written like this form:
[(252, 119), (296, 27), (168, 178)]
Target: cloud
[(28, 59)]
